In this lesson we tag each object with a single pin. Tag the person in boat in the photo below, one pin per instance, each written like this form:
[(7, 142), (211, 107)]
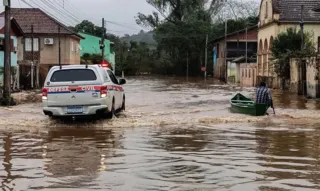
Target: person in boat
[(263, 95)]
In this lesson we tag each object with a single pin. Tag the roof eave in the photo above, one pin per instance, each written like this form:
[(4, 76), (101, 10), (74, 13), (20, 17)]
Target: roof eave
[(18, 27), (231, 34), (297, 21)]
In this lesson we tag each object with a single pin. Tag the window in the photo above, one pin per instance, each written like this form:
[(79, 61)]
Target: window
[(249, 73), (73, 75), (266, 15), (246, 73), (28, 44), (72, 46), (242, 72), (113, 77)]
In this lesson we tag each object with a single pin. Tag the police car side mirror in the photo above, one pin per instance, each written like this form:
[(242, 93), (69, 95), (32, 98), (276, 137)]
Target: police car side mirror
[(122, 81)]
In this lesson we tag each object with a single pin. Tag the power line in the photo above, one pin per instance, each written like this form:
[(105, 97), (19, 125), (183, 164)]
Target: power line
[(69, 17), (125, 25), (38, 6), (111, 22), (61, 10)]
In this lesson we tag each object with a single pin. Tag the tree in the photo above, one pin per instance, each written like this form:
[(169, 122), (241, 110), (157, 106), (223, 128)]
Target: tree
[(288, 45), (181, 26), (88, 27)]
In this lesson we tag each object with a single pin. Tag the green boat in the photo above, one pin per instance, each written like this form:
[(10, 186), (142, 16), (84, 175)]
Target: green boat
[(242, 104)]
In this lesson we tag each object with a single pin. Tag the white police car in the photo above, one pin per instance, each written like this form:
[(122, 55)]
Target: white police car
[(77, 90)]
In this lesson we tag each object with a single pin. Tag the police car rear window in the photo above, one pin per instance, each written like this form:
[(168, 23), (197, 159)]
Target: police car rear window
[(73, 75)]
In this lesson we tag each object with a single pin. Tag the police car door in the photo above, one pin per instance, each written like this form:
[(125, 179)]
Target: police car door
[(115, 89)]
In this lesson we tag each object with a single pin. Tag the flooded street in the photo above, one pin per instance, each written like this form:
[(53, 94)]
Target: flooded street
[(174, 135)]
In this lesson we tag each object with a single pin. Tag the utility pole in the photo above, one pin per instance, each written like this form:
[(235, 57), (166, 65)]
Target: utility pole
[(32, 58), (225, 50), (301, 27), (206, 58), (301, 80), (246, 45), (102, 39), (7, 52), (59, 33), (187, 65)]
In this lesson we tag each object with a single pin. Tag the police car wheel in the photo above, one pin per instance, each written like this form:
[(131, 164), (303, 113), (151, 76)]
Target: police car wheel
[(112, 113), (123, 107)]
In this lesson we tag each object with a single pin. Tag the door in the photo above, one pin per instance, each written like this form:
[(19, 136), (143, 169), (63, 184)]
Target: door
[(304, 77), (116, 89)]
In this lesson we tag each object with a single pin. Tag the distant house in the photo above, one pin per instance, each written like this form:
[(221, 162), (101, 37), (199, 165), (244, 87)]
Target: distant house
[(275, 17), (91, 45), (235, 53), (15, 33), (46, 31)]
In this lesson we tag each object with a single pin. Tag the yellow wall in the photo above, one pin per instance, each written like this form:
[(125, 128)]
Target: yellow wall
[(269, 30), (312, 81)]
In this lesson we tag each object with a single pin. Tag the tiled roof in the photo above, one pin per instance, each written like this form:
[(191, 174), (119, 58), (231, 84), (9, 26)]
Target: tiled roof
[(42, 22), (317, 8), (290, 10)]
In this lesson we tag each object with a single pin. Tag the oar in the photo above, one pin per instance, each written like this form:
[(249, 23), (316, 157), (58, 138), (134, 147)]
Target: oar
[(274, 112)]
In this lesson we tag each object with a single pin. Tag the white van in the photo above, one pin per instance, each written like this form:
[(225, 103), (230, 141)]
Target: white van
[(76, 90)]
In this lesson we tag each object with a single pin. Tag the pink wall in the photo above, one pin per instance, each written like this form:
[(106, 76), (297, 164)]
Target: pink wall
[(248, 75)]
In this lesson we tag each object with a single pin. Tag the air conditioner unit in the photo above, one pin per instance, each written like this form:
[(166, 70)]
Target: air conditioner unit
[(48, 41)]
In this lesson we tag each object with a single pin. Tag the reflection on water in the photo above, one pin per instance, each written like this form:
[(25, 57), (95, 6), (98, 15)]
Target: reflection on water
[(289, 100), (223, 157), (174, 135)]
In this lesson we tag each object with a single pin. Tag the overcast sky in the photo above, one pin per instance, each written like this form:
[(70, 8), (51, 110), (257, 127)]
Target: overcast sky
[(119, 13)]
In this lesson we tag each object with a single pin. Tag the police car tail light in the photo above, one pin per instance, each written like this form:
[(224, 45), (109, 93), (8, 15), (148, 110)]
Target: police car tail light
[(44, 93), (103, 91)]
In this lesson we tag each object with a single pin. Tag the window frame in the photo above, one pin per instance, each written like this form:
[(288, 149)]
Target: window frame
[(57, 71), (113, 77), (36, 44), (267, 10)]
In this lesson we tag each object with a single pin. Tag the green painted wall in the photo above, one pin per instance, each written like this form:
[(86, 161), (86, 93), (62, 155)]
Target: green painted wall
[(91, 45)]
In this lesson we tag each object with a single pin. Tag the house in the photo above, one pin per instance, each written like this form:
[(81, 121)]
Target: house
[(15, 33), (91, 45), (46, 32), (239, 44), (275, 17)]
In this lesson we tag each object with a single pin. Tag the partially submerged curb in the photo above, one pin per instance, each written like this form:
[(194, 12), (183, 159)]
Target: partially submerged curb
[(23, 97)]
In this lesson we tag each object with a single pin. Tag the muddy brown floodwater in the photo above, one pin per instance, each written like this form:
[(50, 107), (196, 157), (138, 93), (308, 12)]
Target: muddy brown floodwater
[(175, 135)]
